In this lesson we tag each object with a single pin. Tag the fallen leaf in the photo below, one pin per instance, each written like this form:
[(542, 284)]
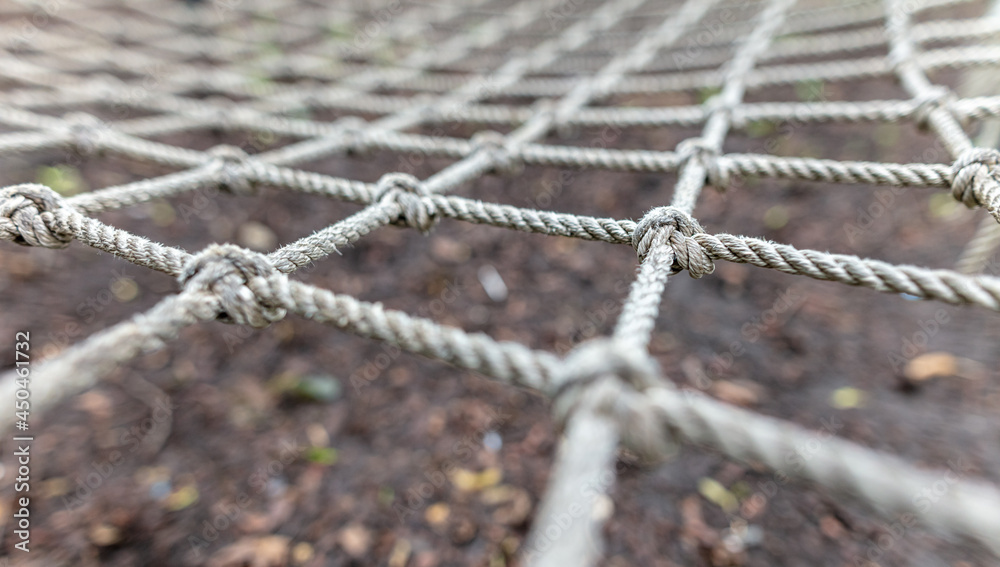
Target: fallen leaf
[(54, 487), (514, 504), (437, 514), (96, 404), (302, 552), (739, 393), (103, 535), (181, 498), (449, 250), (695, 530), (356, 540), (714, 492), (400, 553), (848, 398), (831, 527), (321, 455), (463, 529), (256, 236), (266, 551), (929, 365), (470, 481)]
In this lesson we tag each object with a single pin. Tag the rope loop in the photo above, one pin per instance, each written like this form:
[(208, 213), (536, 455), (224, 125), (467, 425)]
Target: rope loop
[(353, 129), (494, 145), (85, 132), (674, 227), (417, 210), (219, 112), (932, 99), (718, 104), (427, 106), (26, 216), (974, 174), (716, 171), (232, 162), (249, 289), (615, 378)]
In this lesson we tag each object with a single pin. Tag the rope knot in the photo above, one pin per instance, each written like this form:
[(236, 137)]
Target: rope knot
[(668, 225), (717, 103), (934, 98), (494, 145), (974, 177), (353, 129), (220, 112), (227, 114), (427, 107), (615, 378), (249, 289), (24, 210), (231, 162), (716, 172), (85, 132), (559, 115), (417, 210)]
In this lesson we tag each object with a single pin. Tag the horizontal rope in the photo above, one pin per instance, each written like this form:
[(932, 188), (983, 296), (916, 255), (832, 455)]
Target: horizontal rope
[(304, 93)]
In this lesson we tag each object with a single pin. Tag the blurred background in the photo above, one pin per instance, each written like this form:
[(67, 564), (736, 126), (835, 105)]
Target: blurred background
[(300, 444)]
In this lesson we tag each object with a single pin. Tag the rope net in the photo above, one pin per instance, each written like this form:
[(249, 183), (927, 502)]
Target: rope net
[(530, 69)]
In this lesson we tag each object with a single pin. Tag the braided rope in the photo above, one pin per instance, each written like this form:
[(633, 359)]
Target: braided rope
[(606, 392)]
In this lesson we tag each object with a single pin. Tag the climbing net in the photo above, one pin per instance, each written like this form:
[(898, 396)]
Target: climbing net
[(551, 65)]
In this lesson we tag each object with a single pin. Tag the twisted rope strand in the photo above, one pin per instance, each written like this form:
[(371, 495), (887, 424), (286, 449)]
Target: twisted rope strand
[(606, 392)]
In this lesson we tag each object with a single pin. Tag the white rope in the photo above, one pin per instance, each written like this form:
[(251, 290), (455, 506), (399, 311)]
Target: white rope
[(608, 391)]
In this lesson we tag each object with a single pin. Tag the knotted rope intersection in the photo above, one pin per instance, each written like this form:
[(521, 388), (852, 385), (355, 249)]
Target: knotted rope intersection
[(249, 290), (975, 181), (409, 194), (668, 225), (608, 391), (24, 210)]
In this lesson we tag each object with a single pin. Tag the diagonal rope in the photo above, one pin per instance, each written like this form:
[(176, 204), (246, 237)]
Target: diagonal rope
[(606, 392), (601, 401)]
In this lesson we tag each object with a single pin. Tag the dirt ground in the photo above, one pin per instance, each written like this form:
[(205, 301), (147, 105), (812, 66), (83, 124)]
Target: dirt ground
[(302, 445)]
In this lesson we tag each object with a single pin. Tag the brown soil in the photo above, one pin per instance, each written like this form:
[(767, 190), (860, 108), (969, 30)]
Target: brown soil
[(288, 475)]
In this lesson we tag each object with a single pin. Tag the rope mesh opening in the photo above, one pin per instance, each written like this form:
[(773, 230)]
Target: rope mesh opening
[(488, 89)]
